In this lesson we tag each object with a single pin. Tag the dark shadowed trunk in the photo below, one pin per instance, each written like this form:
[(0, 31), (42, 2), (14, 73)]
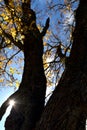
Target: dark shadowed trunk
[(30, 97), (67, 107)]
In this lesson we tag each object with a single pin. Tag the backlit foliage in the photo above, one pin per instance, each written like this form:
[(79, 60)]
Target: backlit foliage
[(60, 33), (62, 24), (10, 34)]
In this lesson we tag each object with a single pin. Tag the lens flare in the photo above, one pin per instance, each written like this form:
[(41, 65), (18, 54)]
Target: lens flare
[(11, 102)]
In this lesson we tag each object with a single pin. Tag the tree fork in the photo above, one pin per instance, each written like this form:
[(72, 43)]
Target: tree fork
[(65, 109)]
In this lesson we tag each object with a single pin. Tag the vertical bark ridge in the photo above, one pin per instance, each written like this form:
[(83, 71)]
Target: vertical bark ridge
[(30, 97), (67, 107)]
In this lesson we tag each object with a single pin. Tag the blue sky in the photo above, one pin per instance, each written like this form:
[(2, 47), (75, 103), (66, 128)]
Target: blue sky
[(7, 91), (4, 94)]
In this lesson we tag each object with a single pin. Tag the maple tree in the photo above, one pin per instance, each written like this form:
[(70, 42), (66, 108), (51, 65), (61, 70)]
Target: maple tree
[(30, 97), (12, 40), (57, 56)]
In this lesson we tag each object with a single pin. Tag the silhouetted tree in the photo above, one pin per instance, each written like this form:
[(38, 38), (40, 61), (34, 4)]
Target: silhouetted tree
[(67, 107)]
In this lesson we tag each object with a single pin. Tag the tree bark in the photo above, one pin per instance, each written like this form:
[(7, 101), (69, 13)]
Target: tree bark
[(67, 107), (30, 97)]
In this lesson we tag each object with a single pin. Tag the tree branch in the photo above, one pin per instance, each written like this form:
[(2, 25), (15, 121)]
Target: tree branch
[(11, 58), (3, 108), (6, 2), (46, 27), (18, 44)]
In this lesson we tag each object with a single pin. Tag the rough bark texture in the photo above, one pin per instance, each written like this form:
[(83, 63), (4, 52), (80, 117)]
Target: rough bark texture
[(30, 97), (67, 107)]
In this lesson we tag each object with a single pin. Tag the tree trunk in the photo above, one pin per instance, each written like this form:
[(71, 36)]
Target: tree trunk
[(30, 97), (67, 107)]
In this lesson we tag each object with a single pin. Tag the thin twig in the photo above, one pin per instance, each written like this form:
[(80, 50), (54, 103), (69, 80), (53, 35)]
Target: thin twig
[(11, 58)]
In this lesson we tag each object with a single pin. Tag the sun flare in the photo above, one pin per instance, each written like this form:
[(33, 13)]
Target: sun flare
[(11, 102)]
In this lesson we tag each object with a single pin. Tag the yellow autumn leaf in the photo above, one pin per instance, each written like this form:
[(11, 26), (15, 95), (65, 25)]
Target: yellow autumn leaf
[(7, 41), (0, 31), (49, 83), (45, 44), (11, 3), (17, 83), (13, 32), (3, 14), (1, 64), (12, 70), (68, 7), (48, 32), (4, 27), (39, 27), (6, 18), (2, 58), (1, 80), (10, 62), (49, 74), (47, 37), (22, 37), (46, 66)]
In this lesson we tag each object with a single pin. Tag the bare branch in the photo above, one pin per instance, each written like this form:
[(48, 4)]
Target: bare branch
[(46, 27), (11, 58)]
